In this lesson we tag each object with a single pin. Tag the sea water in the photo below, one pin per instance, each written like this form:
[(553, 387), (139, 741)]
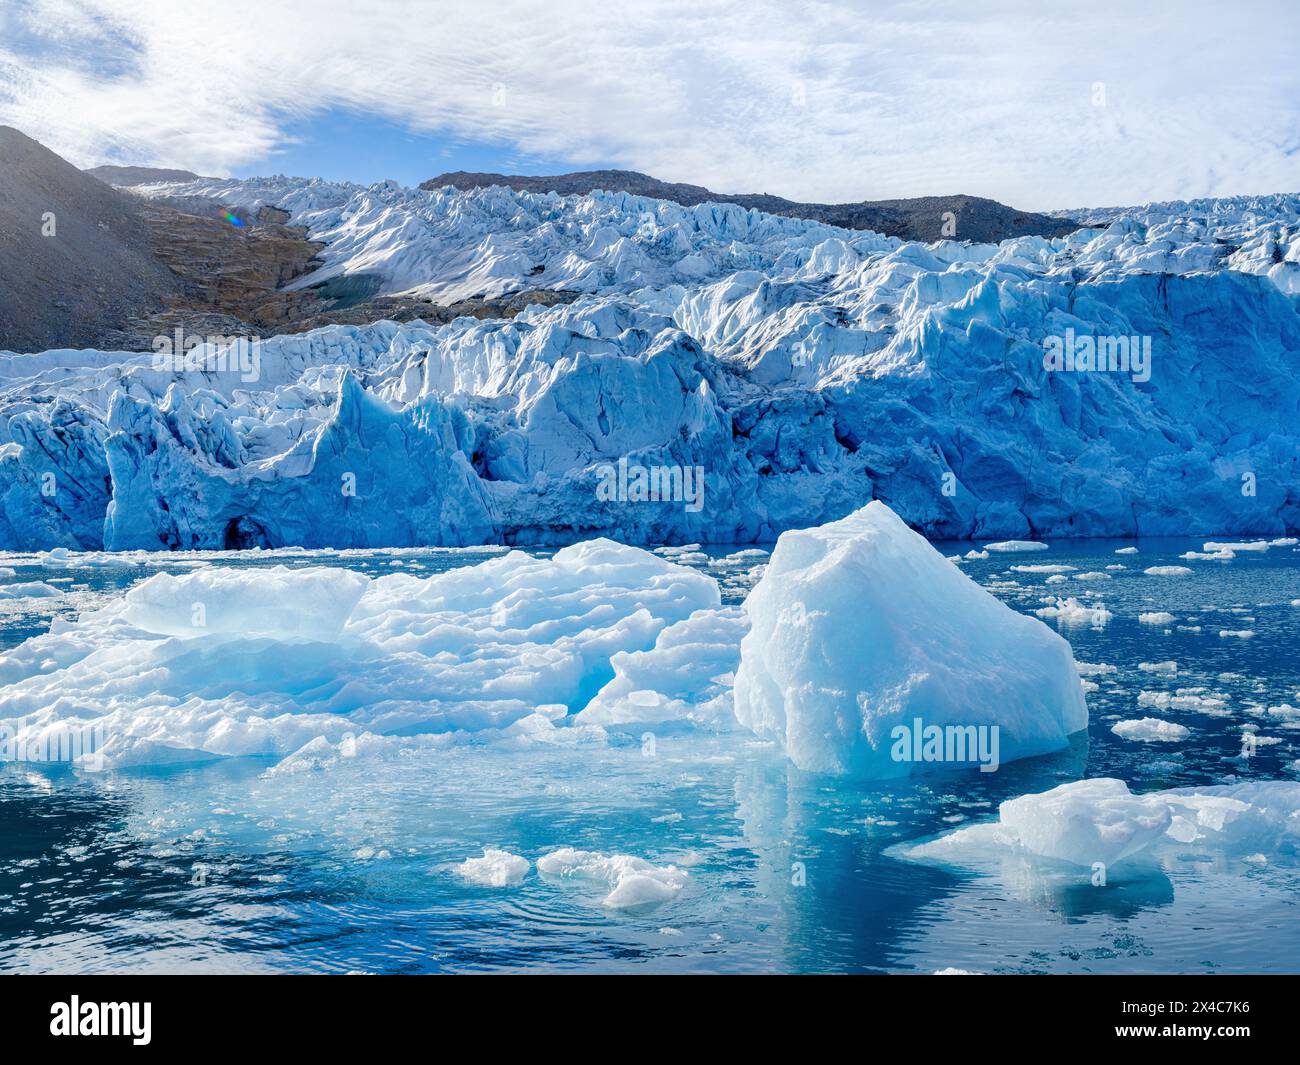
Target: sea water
[(224, 867)]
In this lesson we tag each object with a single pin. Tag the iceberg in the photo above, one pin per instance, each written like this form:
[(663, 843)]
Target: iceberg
[(1101, 820), (497, 868), (635, 884), (312, 664), (1150, 730), (860, 628)]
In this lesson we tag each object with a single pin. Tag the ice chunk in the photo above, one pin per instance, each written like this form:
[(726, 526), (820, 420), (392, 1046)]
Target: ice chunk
[(1099, 820), (686, 676), (1215, 547), (860, 628), (1166, 571), (497, 868), (1085, 822), (635, 883), (1156, 617), (280, 603), (1150, 730), (1158, 667), (29, 590), (1014, 546), (226, 661), (1092, 669), (1072, 612)]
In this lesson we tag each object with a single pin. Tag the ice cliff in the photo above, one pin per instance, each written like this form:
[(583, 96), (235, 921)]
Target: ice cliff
[(796, 369)]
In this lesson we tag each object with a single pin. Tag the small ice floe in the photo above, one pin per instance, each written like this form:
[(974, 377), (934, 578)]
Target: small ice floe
[(1100, 820), (29, 590), (978, 554), (950, 971), (1158, 667), (1047, 567), (1092, 669), (635, 883), (1013, 546), (1193, 699), (497, 868), (1092, 575), (1057, 578), (1239, 634), (1072, 612), (1150, 730), (1156, 617), (1126, 551), (1167, 571), (1214, 546)]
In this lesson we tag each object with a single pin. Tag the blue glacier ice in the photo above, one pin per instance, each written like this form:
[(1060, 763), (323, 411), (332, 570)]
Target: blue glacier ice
[(860, 628), (803, 370)]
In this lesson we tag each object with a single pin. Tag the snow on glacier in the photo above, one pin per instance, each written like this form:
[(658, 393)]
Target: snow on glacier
[(860, 627), (803, 369)]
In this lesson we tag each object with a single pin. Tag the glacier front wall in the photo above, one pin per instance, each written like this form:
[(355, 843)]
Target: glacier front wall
[(802, 370)]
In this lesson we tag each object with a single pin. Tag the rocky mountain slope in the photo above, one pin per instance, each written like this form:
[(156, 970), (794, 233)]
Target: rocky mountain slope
[(85, 264), (921, 218), (125, 176), (76, 258)]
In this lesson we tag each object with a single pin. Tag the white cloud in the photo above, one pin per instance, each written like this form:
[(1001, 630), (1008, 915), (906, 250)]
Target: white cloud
[(826, 101)]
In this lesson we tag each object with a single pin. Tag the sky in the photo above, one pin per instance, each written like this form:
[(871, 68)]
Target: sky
[(1042, 105)]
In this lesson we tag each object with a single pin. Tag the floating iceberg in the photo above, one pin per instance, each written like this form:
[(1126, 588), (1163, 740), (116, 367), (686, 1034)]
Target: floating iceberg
[(1150, 730), (634, 882), (1100, 820), (859, 628), (226, 662), (1072, 612), (497, 868)]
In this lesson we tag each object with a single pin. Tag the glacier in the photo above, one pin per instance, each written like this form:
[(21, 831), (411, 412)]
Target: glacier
[(803, 370)]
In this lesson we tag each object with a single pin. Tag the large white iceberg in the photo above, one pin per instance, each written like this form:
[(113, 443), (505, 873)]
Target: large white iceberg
[(268, 661), (860, 628)]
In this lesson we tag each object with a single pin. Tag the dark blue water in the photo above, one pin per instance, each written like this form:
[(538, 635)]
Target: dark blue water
[(224, 868)]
